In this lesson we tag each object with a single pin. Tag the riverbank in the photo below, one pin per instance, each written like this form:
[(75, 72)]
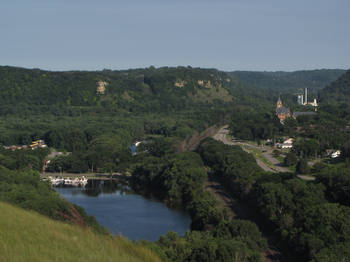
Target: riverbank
[(92, 176)]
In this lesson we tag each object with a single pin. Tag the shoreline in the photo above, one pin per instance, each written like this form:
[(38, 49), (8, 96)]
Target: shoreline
[(88, 176)]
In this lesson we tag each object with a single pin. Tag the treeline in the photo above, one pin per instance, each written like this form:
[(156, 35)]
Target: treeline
[(298, 210), (249, 124), (290, 81), (76, 132), (22, 159), (235, 240)]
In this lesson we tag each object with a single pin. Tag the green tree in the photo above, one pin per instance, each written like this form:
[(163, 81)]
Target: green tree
[(290, 159), (303, 166)]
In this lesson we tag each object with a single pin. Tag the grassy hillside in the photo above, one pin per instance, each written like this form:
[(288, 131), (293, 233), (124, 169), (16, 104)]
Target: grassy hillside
[(28, 236)]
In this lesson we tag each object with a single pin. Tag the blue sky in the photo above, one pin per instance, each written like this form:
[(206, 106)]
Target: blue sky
[(252, 35)]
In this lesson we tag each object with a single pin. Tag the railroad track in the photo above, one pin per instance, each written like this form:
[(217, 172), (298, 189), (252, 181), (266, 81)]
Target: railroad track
[(272, 253)]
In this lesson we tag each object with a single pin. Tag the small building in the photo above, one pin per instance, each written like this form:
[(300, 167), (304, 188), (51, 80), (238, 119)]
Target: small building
[(288, 143), (333, 153), (281, 111), (39, 143), (15, 147)]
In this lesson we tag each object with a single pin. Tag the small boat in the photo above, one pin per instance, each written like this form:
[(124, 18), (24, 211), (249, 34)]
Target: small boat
[(83, 180), (60, 179), (68, 181), (75, 180)]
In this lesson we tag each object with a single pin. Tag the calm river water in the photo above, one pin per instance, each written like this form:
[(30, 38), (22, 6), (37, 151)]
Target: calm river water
[(128, 209)]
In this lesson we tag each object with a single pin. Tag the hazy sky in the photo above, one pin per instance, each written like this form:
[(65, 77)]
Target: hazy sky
[(255, 35)]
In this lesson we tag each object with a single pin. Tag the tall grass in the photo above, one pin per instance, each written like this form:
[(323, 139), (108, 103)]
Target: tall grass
[(28, 236)]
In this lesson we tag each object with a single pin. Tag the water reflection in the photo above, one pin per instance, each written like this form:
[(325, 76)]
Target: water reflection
[(128, 208)]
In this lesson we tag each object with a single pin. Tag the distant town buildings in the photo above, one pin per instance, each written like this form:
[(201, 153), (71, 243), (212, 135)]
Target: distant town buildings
[(35, 144), (288, 143), (283, 112), (39, 143), (302, 102), (15, 147)]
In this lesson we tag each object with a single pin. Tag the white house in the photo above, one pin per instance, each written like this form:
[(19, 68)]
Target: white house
[(333, 153), (286, 144)]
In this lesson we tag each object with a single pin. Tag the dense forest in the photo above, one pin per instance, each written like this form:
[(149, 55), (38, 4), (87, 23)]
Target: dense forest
[(291, 84), (315, 80), (93, 117), (298, 210), (336, 92)]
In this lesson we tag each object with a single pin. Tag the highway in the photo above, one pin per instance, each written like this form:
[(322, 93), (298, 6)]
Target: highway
[(221, 135)]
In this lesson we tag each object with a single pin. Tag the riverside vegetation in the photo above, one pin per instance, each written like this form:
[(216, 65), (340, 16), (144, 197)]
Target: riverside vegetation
[(176, 105)]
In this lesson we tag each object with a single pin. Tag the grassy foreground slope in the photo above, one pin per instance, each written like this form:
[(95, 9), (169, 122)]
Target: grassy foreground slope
[(29, 236)]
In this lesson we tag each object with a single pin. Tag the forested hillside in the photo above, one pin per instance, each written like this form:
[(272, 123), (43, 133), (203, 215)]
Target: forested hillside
[(134, 90), (290, 81), (337, 92)]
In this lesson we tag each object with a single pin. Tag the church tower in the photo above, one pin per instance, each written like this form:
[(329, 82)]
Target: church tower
[(279, 102)]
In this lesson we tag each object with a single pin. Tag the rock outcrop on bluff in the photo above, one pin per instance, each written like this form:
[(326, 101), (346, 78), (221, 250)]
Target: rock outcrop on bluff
[(101, 87)]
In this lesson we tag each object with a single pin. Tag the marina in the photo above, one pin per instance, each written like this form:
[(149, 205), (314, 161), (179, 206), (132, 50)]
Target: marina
[(76, 181)]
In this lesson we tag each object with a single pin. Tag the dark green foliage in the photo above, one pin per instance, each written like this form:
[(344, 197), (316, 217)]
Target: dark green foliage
[(177, 175), (338, 91), (276, 152), (23, 159), (336, 252), (240, 241), (249, 124), (303, 166), (290, 159), (246, 231), (337, 182), (291, 81), (205, 211), (228, 161), (75, 93)]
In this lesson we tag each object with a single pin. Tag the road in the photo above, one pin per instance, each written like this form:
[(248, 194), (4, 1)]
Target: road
[(221, 135)]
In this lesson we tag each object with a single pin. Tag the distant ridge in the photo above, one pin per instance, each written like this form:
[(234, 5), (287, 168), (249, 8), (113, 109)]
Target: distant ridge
[(291, 81), (336, 92)]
